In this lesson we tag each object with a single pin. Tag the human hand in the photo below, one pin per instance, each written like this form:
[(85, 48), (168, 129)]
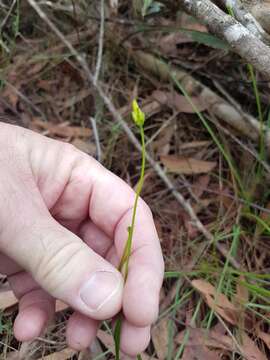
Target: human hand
[(63, 227)]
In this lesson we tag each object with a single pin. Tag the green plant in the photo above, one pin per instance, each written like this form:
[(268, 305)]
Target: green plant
[(258, 101), (139, 119)]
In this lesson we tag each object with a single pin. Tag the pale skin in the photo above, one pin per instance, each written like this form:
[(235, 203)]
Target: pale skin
[(63, 227)]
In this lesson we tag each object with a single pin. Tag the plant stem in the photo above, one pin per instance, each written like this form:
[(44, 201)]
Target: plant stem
[(124, 262), (123, 266)]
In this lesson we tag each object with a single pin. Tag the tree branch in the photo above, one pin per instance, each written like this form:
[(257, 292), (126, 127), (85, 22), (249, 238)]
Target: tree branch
[(240, 39), (242, 14)]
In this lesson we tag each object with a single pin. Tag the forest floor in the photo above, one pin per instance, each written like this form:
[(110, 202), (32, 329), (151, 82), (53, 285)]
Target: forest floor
[(198, 98)]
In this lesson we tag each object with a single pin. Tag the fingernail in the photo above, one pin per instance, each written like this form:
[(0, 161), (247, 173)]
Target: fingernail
[(99, 289)]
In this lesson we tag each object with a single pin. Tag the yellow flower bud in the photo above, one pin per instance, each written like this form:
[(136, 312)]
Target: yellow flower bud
[(137, 114)]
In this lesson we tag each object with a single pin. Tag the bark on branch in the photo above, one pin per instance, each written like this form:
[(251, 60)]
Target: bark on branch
[(242, 14), (240, 39)]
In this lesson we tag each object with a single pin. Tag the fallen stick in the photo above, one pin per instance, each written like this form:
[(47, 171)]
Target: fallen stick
[(240, 39), (222, 109), (242, 14)]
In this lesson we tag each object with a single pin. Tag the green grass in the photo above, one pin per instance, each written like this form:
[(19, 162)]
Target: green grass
[(211, 132), (220, 286)]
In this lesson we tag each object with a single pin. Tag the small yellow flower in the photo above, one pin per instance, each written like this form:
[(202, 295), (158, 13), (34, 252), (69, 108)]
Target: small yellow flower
[(137, 114)]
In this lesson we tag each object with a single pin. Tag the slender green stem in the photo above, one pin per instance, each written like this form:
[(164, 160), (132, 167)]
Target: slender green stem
[(127, 251), (116, 335), (138, 117)]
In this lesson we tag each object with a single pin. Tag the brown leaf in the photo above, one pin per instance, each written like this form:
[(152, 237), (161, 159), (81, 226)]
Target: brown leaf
[(187, 166), (168, 44), (191, 229), (7, 299), (11, 96), (195, 144), (160, 338), (162, 144), (200, 185), (217, 301), (201, 338), (72, 100), (35, 68), (60, 306), (85, 146), (179, 102), (196, 348), (60, 355), (199, 353), (250, 349), (265, 337), (242, 294), (61, 130)]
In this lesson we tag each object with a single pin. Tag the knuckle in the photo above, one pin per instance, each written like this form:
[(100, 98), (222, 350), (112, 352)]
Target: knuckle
[(145, 208), (76, 156), (67, 148), (55, 266)]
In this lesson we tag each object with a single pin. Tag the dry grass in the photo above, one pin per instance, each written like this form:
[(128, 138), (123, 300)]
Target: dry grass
[(43, 89)]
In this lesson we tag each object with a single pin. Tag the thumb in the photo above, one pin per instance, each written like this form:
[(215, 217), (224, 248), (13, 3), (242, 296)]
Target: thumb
[(62, 264)]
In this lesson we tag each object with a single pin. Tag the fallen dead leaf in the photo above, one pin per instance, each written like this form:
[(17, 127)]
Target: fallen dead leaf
[(191, 229), (60, 306), (210, 338), (179, 102), (195, 347), (106, 339), (60, 355), (201, 338), (61, 130), (36, 68), (162, 144), (194, 353), (187, 166), (160, 338), (265, 337), (73, 100), (168, 43), (85, 146), (242, 294), (195, 144), (250, 349), (200, 185), (11, 96), (8, 299), (217, 301)]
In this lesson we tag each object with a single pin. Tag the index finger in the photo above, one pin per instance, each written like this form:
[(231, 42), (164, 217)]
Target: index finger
[(110, 208), (146, 268)]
